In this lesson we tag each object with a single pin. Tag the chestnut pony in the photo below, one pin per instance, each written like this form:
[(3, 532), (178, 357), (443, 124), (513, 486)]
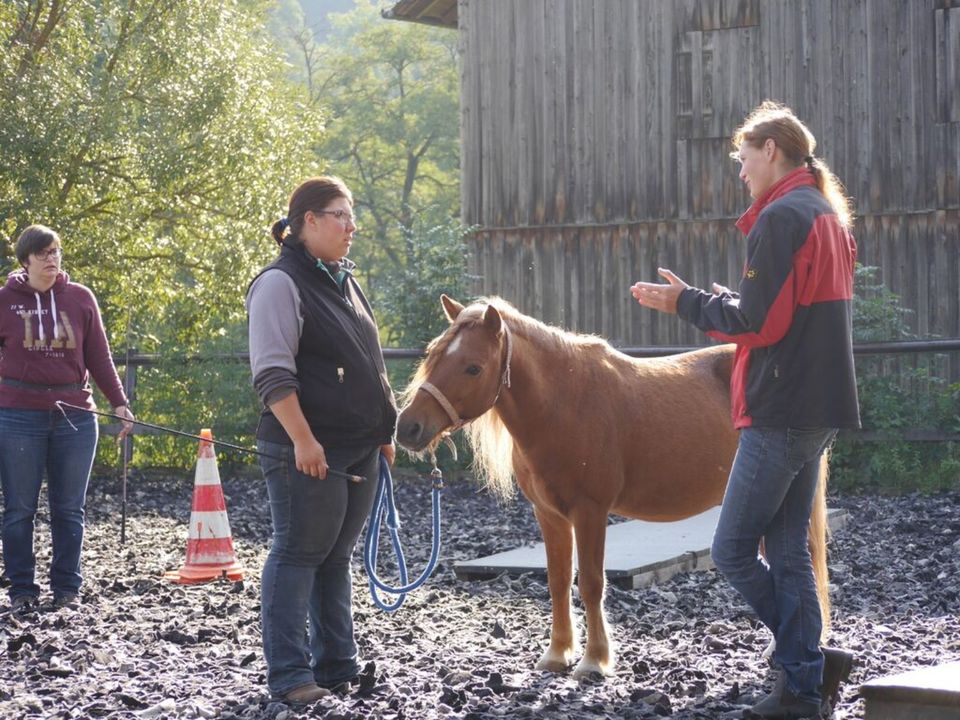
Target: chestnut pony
[(586, 431)]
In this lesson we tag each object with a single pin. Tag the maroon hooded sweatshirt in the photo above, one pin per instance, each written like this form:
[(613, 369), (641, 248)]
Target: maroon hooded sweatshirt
[(53, 338)]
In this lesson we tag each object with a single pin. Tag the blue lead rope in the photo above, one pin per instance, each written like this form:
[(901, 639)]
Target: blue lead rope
[(383, 504)]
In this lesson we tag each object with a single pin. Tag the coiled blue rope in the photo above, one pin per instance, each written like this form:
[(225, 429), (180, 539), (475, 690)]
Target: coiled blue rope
[(383, 504)]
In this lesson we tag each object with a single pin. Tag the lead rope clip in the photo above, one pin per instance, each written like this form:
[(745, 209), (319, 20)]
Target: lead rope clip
[(437, 475)]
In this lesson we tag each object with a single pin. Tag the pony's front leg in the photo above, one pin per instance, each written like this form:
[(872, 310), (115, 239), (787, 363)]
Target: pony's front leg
[(591, 532), (558, 538)]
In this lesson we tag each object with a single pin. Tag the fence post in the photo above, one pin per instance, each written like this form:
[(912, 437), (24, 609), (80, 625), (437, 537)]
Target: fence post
[(130, 389)]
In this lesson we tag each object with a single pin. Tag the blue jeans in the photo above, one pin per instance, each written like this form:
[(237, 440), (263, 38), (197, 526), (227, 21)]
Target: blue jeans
[(316, 524), (33, 442), (770, 495)]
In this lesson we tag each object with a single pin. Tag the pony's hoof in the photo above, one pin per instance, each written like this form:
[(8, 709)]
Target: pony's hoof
[(587, 671), (554, 663), (769, 651)]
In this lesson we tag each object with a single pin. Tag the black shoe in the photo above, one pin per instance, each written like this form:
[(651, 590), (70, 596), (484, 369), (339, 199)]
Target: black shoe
[(836, 669), (70, 600), (783, 704), (23, 604)]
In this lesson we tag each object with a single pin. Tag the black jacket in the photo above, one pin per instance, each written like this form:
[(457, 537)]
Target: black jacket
[(343, 387), (792, 317)]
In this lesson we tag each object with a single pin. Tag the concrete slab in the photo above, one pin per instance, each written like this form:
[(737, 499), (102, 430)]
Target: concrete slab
[(638, 553), (927, 693)]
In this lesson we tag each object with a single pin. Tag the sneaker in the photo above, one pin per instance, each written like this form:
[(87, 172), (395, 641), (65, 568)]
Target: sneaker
[(836, 669), (305, 694), (784, 705), (23, 603), (66, 600)]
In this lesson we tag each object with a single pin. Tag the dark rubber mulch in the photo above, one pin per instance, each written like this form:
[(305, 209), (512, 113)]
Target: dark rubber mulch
[(138, 646)]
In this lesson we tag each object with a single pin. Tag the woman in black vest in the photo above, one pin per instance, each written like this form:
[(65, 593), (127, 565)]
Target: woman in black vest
[(318, 369)]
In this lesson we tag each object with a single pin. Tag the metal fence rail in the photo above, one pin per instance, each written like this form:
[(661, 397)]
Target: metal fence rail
[(891, 347), (136, 359)]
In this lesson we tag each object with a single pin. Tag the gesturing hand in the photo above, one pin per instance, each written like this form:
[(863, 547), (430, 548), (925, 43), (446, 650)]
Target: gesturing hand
[(657, 296)]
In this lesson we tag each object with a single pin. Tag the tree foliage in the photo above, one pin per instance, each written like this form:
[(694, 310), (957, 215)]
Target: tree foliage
[(160, 138), (897, 393), (390, 93), (157, 137)]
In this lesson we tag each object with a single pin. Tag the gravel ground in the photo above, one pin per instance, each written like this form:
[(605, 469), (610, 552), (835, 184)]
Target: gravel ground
[(138, 646)]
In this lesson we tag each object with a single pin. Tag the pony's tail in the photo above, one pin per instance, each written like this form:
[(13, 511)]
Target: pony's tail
[(817, 541)]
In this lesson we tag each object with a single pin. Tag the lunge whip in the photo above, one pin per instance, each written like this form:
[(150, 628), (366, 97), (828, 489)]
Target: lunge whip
[(331, 473)]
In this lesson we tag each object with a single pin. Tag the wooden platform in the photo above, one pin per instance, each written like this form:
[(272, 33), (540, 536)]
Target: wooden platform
[(638, 553), (928, 693)]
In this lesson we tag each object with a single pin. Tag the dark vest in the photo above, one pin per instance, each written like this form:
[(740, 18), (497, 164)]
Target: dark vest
[(344, 391)]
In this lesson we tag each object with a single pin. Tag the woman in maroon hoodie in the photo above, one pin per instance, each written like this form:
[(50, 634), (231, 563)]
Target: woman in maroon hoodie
[(51, 343)]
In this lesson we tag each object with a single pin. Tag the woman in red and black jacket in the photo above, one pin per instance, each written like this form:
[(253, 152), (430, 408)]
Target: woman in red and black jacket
[(793, 386)]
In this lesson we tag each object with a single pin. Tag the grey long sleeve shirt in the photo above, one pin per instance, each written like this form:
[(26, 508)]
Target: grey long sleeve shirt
[(275, 325)]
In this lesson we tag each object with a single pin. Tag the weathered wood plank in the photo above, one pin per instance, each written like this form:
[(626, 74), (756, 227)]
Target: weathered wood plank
[(596, 133)]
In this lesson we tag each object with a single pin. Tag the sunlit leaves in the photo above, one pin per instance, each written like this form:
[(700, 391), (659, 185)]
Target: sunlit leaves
[(390, 94), (160, 139)]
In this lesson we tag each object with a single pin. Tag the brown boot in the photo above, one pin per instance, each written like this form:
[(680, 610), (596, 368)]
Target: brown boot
[(305, 694), (836, 669)]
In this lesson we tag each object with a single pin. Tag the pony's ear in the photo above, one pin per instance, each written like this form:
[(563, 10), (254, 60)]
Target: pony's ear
[(450, 307), (492, 320)]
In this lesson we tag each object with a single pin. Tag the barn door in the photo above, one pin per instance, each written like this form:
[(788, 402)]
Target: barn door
[(718, 82)]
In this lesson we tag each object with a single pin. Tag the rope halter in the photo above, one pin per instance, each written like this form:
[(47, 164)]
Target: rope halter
[(437, 394)]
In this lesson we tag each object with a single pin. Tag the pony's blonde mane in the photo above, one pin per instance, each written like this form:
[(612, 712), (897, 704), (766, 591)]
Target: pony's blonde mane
[(489, 439), (492, 446)]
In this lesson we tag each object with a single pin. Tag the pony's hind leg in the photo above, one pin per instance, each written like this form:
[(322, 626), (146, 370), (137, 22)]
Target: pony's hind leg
[(558, 538), (590, 524)]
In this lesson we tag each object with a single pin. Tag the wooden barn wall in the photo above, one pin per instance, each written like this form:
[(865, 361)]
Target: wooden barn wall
[(595, 137), (578, 277)]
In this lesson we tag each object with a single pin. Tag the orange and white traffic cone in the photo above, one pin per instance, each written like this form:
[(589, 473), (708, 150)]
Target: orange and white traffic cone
[(210, 553)]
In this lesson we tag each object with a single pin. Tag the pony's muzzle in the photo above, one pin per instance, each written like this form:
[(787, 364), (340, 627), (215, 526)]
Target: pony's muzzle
[(410, 434)]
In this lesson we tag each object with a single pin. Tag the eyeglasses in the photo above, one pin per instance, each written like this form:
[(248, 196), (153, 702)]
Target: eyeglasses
[(51, 254), (343, 216)]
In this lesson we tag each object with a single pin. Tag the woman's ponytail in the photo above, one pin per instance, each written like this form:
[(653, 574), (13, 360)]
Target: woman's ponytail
[(773, 120), (832, 189), (279, 230)]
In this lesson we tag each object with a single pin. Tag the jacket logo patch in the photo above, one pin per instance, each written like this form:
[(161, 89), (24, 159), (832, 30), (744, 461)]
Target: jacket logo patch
[(750, 274)]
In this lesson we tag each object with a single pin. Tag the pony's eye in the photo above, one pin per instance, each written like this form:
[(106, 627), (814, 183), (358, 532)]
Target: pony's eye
[(472, 370)]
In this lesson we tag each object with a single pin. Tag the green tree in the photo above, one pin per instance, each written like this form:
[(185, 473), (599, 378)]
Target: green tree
[(390, 93), (160, 138), (897, 393)]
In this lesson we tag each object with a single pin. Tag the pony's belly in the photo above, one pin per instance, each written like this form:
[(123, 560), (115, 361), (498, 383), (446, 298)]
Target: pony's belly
[(673, 494)]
